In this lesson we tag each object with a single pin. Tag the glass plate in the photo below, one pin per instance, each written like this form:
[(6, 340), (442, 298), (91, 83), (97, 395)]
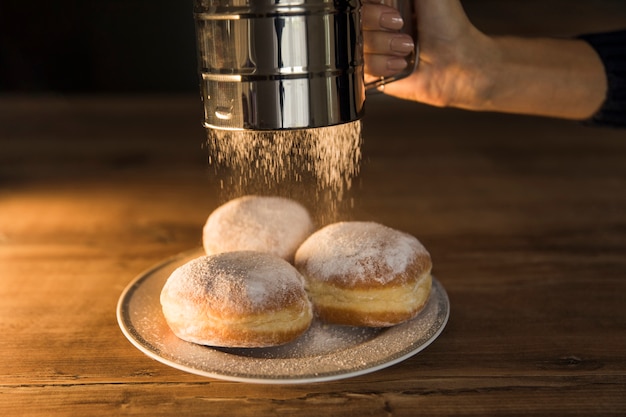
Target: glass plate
[(324, 353)]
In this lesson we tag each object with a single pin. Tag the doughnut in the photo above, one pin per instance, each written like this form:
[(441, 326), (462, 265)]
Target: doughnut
[(236, 299), (259, 223), (365, 274)]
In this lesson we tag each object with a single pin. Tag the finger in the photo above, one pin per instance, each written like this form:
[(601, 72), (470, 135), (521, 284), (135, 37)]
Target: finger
[(380, 17), (387, 43), (383, 65)]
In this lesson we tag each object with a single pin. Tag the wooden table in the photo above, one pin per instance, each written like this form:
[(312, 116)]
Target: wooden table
[(525, 219)]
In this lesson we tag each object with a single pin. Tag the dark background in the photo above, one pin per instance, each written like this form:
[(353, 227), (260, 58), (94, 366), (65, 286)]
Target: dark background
[(97, 45), (137, 46)]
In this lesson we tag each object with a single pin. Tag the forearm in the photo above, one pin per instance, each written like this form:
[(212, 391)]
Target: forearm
[(459, 66), (550, 77)]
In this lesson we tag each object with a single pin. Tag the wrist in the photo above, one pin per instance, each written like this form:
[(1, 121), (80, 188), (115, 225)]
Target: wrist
[(476, 73)]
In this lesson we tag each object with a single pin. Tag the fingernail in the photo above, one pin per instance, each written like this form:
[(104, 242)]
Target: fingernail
[(391, 21), (402, 44), (396, 64)]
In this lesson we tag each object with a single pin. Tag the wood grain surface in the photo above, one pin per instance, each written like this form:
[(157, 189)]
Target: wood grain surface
[(525, 219)]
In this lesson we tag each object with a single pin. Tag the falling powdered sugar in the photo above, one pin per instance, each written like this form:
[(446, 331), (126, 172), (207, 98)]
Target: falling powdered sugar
[(315, 166)]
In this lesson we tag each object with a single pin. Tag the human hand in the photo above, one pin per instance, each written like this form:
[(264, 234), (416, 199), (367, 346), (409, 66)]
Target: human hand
[(385, 46), (451, 50), (461, 67)]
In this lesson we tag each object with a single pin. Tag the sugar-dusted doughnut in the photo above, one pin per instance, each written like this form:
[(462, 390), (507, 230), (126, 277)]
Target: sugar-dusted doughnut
[(271, 224), (236, 299), (365, 274)]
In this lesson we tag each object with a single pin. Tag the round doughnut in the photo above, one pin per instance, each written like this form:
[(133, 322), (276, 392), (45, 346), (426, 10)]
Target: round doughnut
[(236, 299), (365, 274), (260, 223)]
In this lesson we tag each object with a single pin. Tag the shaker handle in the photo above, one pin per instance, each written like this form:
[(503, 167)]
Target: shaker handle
[(407, 11)]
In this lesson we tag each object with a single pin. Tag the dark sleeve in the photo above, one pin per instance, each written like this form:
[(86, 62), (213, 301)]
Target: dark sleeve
[(611, 47)]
